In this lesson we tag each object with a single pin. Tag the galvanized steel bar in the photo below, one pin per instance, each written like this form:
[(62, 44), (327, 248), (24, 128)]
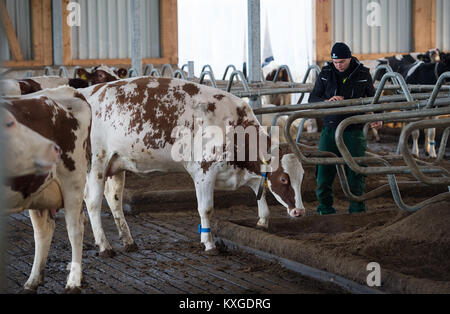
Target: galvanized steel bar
[(179, 74), (314, 67), (406, 132), (148, 68), (241, 76), (230, 66), (360, 119), (254, 51), (136, 48), (167, 67), (392, 116), (437, 88), (211, 76), (63, 70)]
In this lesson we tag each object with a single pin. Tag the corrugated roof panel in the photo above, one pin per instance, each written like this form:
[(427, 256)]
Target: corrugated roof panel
[(443, 24), (105, 31), (394, 34)]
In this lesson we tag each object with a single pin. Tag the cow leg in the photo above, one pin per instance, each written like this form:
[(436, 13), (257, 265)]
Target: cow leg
[(263, 209), (375, 134), (93, 196), (74, 216), (415, 148), (430, 144), (43, 227), (114, 196), (263, 213), (204, 189)]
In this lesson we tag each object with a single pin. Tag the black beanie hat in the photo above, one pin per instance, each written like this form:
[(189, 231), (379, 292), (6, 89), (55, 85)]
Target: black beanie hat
[(340, 51)]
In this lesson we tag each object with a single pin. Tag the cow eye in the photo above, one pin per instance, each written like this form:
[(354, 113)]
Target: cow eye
[(284, 180), (10, 124)]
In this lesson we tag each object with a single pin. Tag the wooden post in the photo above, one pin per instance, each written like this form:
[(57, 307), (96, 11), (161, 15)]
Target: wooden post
[(169, 30), (323, 30), (13, 43), (66, 46), (424, 24)]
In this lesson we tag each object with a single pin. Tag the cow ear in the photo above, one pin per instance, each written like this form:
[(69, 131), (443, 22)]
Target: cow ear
[(84, 75), (122, 73)]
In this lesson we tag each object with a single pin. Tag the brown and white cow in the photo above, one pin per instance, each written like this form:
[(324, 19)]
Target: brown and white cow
[(25, 152), (63, 116), (148, 124), (100, 74)]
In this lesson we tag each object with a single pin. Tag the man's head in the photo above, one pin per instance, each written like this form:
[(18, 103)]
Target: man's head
[(341, 56)]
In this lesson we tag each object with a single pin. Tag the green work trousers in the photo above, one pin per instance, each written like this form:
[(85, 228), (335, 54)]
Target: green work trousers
[(355, 142)]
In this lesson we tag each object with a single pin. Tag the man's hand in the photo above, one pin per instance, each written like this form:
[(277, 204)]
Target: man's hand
[(336, 98), (376, 125)]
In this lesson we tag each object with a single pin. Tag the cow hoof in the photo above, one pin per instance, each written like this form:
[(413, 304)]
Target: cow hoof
[(262, 227), (73, 290), (131, 247), (213, 252), (107, 253)]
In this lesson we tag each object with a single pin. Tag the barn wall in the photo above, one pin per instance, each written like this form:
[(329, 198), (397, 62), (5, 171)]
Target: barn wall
[(19, 12), (110, 20), (443, 24), (349, 25)]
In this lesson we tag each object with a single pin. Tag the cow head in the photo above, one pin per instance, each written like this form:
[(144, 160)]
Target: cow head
[(102, 74), (285, 182), (26, 152)]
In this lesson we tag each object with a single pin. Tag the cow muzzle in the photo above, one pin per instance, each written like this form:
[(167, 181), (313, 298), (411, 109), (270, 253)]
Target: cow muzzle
[(45, 163), (296, 212)]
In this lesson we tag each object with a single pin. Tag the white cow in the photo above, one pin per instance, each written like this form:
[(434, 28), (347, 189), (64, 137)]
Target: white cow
[(146, 124), (25, 152), (63, 116)]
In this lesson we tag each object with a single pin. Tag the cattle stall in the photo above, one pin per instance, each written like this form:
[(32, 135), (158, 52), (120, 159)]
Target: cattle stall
[(160, 210), (99, 91)]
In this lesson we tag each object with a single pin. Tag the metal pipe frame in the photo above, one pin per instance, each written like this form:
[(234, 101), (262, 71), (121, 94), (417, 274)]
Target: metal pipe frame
[(291, 79), (393, 185), (230, 66), (356, 119), (63, 70), (48, 71), (314, 67), (350, 161), (388, 69), (408, 157), (167, 67), (132, 72), (179, 74), (401, 81), (211, 76), (348, 103), (148, 68), (241, 76), (437, 88)]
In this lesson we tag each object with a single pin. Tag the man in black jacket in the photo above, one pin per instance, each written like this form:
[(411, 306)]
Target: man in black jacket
[(342, 78)]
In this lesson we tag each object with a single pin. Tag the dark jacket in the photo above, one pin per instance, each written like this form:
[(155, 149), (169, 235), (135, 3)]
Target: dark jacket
[(331, 83)]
